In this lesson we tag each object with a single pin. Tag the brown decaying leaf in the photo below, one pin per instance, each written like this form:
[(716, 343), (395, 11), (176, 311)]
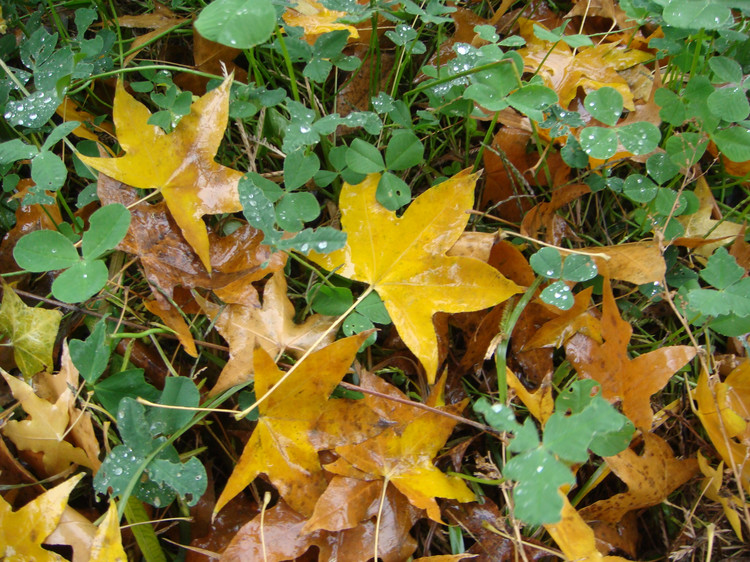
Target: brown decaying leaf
[(44, 430), (544, 215), (631, 380), (169, 261), (345, 503), (487, 525), (280, 446), (22, 532), (635, 262), (702, 225), (650, 478), (280, 537), (740, 250), (28, 219), (570, 322), (503, 164), (271, 326), (211, 58), (179, 164)]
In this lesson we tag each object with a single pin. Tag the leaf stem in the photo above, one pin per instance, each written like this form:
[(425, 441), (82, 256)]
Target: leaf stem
[(506, 328)]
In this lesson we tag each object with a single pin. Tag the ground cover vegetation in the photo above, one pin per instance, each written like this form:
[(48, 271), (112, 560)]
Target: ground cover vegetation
[(393, 280)]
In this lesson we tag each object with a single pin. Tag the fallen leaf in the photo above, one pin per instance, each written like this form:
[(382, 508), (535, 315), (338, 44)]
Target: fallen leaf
[(69, 110), (315, 19), (651, 477), (160, 17), (712, 486), (513, 172), (570, 322), (169, 261), (723, 408), (271, 326), (404, 259), (211, 58), (633, 381), (278, 536), (107, 545), (446, 558), (76, 531), (45, 429), (575, 538), (280, 446), (22, 532), (172, 318), (634, 262), (31, 331), (344, 504), (590, 68), (539, 403), (403, 456), (600, 8), (180, 164), (544, 215), (57, 388), (701, 226)]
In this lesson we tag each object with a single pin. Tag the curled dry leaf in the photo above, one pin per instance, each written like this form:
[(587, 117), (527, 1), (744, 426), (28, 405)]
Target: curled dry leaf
[(271, 327), (174, 321), (76, 531), (107, 544), (404, 259), (169, 261), (723, 408), (650, 478), (179, 164), (280, 446), (633, 381), (22, 532), (45, 429)]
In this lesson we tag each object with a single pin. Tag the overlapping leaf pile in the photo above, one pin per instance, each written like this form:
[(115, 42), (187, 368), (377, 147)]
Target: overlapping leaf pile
[(537, 379)]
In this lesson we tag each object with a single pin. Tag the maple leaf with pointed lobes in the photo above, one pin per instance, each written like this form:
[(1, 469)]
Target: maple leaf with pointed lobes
[(632, 380), (271, 326), (404, 259), (179, 164), (45, 429), (22, 532), (280, 446)]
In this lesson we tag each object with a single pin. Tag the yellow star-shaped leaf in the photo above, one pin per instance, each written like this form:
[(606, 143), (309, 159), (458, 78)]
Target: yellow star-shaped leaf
[(404, 259), (179, 164)]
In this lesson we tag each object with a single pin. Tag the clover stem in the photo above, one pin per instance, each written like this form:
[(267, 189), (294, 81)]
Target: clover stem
[(506, 328), (307, 353)]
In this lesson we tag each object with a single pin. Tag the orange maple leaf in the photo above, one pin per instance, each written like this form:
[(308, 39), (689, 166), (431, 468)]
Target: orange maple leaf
[(632, 380), (404, 259), (179, 164)]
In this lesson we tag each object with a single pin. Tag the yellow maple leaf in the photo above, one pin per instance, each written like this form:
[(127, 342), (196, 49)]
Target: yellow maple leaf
[(271, 326), (280, 446), (107, 544), (565, 70), (22, 532), (712, 489), (404, 259), (179, 164), (45, 430), (723, 408), (316, 19)]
